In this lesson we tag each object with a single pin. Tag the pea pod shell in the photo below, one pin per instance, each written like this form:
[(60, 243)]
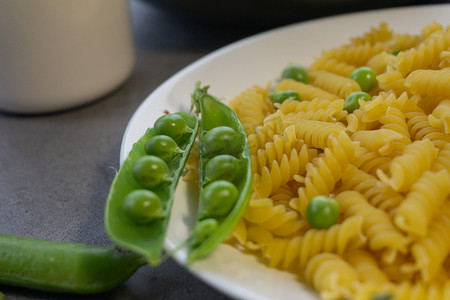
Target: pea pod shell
[(63, 267), (216, 113), (145, 239)]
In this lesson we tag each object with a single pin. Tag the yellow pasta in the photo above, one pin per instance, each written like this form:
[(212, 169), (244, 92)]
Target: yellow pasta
[(440, 117), (405, 169), (387, 164), (380, 231), (435, 83), (336, 84), (427, 194)]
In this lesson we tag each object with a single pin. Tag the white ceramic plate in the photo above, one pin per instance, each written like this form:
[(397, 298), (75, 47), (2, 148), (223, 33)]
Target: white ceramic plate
[(229, 71)]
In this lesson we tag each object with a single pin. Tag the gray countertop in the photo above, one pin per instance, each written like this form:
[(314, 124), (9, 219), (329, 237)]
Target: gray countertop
[(56, 169)]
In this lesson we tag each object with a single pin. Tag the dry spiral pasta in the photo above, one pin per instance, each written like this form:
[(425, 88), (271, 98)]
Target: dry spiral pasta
[(387, 164)]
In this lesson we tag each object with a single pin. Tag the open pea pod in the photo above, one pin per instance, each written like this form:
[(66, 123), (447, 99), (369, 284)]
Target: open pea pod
[(141, 195), (225, 173)]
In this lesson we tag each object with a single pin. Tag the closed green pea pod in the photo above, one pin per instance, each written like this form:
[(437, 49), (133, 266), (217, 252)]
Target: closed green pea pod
[(63, 267)]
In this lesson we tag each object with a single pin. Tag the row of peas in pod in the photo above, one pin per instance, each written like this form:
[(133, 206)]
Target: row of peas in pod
[(364, 76), (225, 173), (140, 199), (141, 195)]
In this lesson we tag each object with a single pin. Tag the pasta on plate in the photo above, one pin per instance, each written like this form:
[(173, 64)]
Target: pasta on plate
[(387, 164)]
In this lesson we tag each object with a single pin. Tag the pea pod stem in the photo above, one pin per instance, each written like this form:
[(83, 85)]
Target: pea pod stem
[(214, 114), (63, 267)]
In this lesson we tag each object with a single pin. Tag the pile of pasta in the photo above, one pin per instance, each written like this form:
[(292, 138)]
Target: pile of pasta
[(387, 164)]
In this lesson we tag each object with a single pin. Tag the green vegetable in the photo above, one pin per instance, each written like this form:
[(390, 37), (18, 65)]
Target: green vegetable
[(162, 146), (280, 97), (383, 296), (225, 167), (295, 72), (365, 77), (222, 140), (351, 102), (217, 199), (191, 120), (144, 232), (210, 232), (63, 267), (395, 52), (203, 230), (173, 125), (143, 206), (150, 171), (322, 212)]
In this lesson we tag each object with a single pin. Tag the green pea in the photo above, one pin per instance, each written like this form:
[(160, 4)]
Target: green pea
[(191, 120), (365, 77), (224, 167), (162, 146), (203, 230), (143, 206), (382, 296), (322, 212), (222, 140), (280, 97), (150, 171), (351, 102), (295, 72), (172, 125), (217, 199)]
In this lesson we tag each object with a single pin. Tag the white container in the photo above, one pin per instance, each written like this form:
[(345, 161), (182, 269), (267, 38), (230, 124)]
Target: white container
[(57, 54)]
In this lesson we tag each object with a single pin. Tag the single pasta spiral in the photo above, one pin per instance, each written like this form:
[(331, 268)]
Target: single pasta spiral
[(427, 194), (425, 55), (366, 266), (284, 252), (434, 83), (331, 275), (380, 231), (276, 218), (382, 33), (333, 65), (356, 55), (280, 173), (440, 117), (421, 129), (305, 91), (316, 133), (333, 83), (326, 170), (376, 192), (430, 251), (405, 169)]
